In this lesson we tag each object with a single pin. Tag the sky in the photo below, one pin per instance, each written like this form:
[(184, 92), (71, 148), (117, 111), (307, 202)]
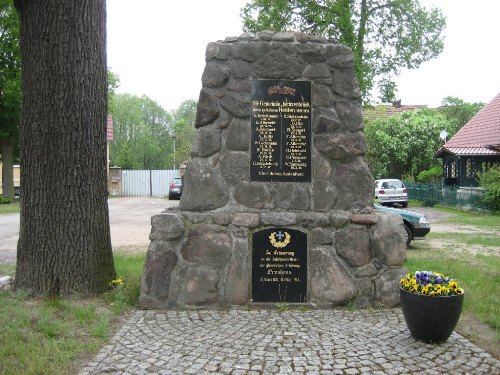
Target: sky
[(157, 48)]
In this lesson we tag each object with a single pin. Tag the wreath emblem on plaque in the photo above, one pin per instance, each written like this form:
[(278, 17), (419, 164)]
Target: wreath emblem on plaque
[(280, 239)]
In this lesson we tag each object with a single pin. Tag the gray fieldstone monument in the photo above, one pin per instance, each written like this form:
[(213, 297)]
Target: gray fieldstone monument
[(277, 200)]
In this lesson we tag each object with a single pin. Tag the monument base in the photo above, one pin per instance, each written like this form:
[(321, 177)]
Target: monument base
[(206, 259)]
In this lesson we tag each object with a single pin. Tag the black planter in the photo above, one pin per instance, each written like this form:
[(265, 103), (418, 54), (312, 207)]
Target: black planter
[(429, 318)]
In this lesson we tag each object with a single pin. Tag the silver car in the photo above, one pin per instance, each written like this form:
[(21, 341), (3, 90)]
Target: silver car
[(390, 192)]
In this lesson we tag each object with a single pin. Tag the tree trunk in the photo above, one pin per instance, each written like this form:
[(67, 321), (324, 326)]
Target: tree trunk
[(64, 243), (7, 151)]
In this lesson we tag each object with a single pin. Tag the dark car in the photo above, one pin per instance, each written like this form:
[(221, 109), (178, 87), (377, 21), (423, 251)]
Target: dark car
[(175, 188), (416, 226)]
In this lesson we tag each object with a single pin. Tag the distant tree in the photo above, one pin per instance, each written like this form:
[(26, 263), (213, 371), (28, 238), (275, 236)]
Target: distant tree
[(141, 138), (64, 240), (489, 180), (458, 112), (183, 129), (431, 175), (385, 35), (113, 84), (10, 92), (404, 144)]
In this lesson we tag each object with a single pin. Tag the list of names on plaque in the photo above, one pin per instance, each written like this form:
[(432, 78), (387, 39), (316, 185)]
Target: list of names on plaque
[(279, 265), (281, 131)]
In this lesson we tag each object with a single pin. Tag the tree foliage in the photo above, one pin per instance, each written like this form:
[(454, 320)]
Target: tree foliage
[(144, 133), (431, 175), (458, 112), (404, 144), (184, 131), (385, 35), (490, 182), (10, 92), (140, 133)]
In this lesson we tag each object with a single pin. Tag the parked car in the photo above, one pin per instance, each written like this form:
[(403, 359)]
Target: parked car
[(175, 188), (416, 225), (17, 193), (391, 191)]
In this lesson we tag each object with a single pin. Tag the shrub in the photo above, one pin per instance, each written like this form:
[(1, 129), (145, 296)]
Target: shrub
[(430, 175), (5, 200), (490, 182)]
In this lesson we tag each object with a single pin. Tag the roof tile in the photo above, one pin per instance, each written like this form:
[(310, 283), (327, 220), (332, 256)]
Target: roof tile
[(481, 132)]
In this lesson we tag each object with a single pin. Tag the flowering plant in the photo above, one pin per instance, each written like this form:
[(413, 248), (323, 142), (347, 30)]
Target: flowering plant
[(431, 284)]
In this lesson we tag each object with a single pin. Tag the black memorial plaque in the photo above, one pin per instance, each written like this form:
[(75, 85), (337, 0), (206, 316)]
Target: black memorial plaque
[(279, 265), (281, 131)]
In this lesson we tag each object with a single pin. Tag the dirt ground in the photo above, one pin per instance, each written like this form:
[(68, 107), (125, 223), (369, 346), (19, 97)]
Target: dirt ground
[(130, 222)]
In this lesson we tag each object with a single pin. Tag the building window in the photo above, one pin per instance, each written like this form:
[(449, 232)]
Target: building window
[(451, 169), (469, 168)]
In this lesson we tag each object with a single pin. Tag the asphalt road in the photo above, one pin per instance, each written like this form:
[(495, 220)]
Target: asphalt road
[(130, 222)]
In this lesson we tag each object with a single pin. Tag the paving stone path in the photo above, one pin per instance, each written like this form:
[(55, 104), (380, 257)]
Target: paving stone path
[(267, 341)]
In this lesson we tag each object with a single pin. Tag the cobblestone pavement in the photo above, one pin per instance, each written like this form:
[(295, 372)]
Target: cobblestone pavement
[(290, 342)]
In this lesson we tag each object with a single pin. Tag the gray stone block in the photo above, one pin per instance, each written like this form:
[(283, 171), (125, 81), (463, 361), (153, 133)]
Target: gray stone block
[(234, 168), (329, 281), (325, 121), (388, 240), (252, 195), (215, 75), (324, 195), (237, 288), (237, 103), (278, 218), (249, 51), (248, 220), (346, 84), (201, 286), (207, 141), (339, 56), (321, 95), (238, 137), (208, 245), (280, 63), (350, 114), (338, 146), (387, 286), (219, 51), (317, 70), (161, 260), (291, 196), (353, 245), (166, 227), (201, 181), (207, 110)]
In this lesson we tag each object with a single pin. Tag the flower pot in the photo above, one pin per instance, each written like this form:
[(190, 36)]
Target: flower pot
[(431, 319)]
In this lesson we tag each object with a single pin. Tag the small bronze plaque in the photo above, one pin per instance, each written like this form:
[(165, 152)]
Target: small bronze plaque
[(281, 131), (279, 265)]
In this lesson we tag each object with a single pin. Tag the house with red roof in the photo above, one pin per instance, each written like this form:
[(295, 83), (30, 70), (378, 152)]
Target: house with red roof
[(473, 148)]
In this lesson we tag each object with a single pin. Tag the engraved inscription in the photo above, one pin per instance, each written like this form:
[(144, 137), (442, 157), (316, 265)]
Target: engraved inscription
[(281, 128), (279, 266)]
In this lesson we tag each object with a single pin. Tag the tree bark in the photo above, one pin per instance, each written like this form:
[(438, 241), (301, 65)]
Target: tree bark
[(7, 151), (64, 244)]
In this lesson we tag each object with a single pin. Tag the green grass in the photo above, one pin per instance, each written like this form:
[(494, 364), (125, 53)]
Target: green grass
[(469, 238), (414, 203), (10, 208), (479, 275), (51, 335), (470, 218)]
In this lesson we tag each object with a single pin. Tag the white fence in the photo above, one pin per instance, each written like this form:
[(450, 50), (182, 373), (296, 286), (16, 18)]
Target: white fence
[(147, 183)]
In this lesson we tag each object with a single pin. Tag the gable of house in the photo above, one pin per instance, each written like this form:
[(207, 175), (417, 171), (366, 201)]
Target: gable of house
[(475, 145)]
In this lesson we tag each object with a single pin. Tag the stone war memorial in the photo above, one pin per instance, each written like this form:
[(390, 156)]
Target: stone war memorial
[(277, 200)]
